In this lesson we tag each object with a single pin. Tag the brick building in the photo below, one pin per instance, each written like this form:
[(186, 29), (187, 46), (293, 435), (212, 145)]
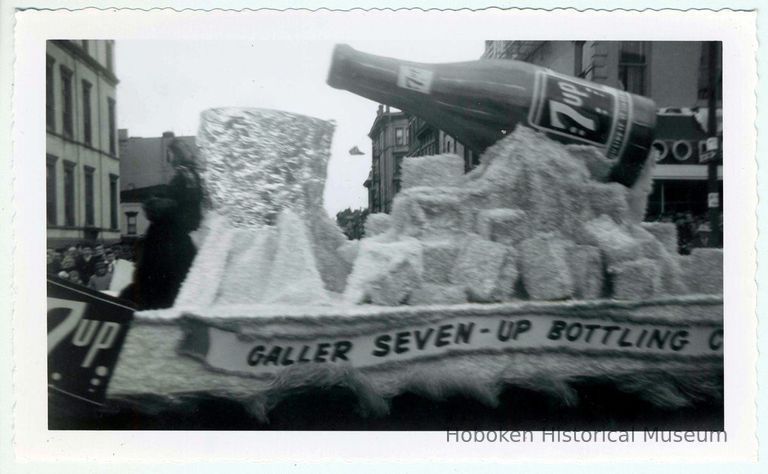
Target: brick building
[(145, 169)]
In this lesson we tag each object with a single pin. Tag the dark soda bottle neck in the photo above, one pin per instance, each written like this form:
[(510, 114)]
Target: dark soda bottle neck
[(478, 102)]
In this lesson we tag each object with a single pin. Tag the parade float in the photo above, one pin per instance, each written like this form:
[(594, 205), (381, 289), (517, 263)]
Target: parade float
[(533, 272)]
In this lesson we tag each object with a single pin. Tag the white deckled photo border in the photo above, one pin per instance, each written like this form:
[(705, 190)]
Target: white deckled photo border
[(33, 442)]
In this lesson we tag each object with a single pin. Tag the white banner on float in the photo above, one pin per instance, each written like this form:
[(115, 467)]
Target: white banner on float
[(232, 352)]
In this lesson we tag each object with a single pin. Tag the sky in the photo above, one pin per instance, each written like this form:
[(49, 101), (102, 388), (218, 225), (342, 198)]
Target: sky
[(165, 85)]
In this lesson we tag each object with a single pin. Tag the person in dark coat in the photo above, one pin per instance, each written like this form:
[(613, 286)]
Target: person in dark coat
[(86, 262), (167, 251)]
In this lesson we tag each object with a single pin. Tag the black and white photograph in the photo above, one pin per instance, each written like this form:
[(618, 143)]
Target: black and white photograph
[(449, 235), (540, 225)]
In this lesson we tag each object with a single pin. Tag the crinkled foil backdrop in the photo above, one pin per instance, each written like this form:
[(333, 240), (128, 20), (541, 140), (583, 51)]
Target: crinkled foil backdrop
[(261, 161)]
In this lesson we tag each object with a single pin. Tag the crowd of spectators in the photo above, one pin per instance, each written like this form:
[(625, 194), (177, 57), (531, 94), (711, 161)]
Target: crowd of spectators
[(92, 264), (693, 231), (89, 264)]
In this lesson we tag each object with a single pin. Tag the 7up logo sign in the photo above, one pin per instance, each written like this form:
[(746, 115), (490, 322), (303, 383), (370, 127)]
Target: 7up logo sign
[(86, 330)]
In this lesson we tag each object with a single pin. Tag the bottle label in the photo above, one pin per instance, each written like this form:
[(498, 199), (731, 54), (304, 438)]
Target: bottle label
[(581, 111), (415, 78)]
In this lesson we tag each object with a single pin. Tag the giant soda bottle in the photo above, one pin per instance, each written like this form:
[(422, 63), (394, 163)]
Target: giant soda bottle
[(477, 102)]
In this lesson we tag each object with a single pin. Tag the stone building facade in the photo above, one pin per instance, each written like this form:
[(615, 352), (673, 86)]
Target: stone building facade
[(82, 152), (390, 139)]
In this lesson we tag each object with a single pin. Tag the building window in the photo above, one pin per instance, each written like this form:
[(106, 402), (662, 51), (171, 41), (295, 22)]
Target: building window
[(375, 184), (168, 154), (471, 160), (376, 145), (447, 145), (87, 129), (66, 102), (69, 194), (90, 216), (398, 173), (50, 93), (632, 66), (50, 189), (400, 137), (130, 218), (110, 55), (86, 46), (112, 126), (113, 201)]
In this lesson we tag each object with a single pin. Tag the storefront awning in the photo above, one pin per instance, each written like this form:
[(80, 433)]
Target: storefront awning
[(694, 172), (700, 115)]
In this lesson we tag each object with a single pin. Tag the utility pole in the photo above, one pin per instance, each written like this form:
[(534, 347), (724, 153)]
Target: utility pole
[(578, 58), (714, 199)]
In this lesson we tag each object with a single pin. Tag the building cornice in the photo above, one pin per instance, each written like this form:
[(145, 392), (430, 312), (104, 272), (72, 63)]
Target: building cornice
[(82, 144), (385, 116), (80, 228), (78, 52)]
